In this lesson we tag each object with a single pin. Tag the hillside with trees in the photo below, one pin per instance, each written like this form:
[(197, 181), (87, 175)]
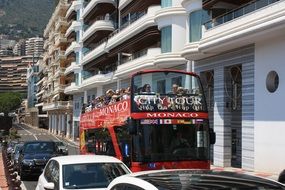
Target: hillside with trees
[(25, 18)]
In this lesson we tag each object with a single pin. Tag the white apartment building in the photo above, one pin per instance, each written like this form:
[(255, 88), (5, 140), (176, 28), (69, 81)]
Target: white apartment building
[(52, 82), (34, 46), (237, 47)]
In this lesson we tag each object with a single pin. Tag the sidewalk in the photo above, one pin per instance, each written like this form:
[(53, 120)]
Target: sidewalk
[(243, 171), (3, 179)]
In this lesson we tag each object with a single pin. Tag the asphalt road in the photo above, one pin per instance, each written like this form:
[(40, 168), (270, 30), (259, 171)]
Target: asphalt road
[(29, 134)]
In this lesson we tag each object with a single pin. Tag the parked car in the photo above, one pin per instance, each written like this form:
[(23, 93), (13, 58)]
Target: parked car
[(34, 156), (62, 147), (16, 153), (80, 172), (10, 148), (191, 179)]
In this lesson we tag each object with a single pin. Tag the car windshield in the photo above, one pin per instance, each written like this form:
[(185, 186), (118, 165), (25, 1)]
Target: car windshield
[(91, 175), (60, 143), (42, 147)]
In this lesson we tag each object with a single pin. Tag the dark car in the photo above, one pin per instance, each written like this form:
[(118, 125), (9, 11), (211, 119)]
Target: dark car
[(192, 179), (34, 156)]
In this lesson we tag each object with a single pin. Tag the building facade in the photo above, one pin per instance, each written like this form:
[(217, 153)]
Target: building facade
[(34, 46), (20, 48), (237, 53), (13, 73), (57, 104), (235, 46)]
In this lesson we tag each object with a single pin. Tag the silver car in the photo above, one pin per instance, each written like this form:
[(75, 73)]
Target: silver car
[(62, 147)]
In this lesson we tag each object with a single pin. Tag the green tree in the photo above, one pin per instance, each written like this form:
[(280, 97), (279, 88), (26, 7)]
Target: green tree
[(9, 102)]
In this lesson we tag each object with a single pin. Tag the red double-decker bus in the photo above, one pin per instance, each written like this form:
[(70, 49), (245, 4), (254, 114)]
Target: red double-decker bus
[(163, 124)]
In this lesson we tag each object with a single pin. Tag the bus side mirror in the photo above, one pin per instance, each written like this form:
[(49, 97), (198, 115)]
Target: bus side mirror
[(132, 126), (212, 136)]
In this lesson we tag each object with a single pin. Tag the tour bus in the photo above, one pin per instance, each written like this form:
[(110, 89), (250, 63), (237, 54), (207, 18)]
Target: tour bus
[(163, 124)]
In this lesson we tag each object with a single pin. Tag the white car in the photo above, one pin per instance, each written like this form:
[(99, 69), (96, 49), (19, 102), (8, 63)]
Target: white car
[(191, 179), (80, 172)]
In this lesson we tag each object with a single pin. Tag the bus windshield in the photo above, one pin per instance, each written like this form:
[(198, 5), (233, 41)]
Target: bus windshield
[(167, 91), (154, 143)]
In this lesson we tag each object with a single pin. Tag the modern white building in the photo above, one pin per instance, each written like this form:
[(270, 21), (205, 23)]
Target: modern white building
[(34, 46), (238, 54), (237, 47)]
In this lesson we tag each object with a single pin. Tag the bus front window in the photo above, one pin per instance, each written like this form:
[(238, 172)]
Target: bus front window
[(155, 143), (167, 92)]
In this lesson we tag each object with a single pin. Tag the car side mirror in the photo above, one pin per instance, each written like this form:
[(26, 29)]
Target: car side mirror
[(212, 135), (49, 186)]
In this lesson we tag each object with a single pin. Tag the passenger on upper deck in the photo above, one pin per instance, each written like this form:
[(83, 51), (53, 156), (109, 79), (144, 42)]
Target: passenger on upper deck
[(146, 88)]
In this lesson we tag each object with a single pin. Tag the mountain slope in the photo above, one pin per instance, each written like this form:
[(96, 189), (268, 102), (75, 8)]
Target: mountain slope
[(25, 18)]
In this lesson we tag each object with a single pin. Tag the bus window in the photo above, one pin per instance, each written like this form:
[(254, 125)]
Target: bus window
[(99, 142)]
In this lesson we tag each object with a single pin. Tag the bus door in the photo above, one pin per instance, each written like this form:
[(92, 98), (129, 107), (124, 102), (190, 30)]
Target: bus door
[(124, 143)]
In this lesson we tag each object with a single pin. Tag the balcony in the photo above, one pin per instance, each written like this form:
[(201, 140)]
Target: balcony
[(60, 39), (96, 80), (58, 88), (123, 3), (126, 32), (40, 93), (90, 6), (61, 23), (171, 59), (60, 71), (100, 24), (57, 105), (75, 26), (71, 89), (46, 44), (59, 55), (76, 5), (168, 13), (146, 61), (74, 47), (40, 81), (73, 67), (250, 26)]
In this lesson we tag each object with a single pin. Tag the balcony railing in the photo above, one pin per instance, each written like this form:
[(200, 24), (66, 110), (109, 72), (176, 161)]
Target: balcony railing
[(134, 18), (236, 13)]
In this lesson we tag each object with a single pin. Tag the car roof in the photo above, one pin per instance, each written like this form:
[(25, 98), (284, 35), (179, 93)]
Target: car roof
[(196, 179), (78, 159)]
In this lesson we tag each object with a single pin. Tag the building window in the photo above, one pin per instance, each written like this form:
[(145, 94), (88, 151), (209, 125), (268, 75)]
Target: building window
[(77, 36), (76, 79), (77, 57), (78, 15), (272, 81), (161, 86), (166, 41), (166, 3), (196, 20)]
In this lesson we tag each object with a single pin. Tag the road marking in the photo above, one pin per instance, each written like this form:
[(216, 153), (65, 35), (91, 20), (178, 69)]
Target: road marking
[(38, 134), (28, 132)]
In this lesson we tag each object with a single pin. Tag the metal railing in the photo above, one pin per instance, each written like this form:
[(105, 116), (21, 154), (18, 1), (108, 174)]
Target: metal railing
[(236, 13), (122, 27)]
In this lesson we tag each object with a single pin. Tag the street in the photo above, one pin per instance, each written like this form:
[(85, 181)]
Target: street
[(29, 134)]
